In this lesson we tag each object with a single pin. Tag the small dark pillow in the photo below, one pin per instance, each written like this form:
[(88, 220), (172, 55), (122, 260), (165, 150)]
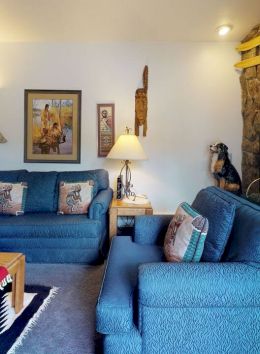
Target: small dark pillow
[(220, 214)]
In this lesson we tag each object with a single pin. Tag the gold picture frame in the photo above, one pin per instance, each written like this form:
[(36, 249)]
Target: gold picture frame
[(106, 128), (52, 126)]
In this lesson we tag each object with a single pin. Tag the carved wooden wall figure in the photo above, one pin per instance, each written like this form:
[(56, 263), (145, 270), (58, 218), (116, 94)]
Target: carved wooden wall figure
[(141, 104)]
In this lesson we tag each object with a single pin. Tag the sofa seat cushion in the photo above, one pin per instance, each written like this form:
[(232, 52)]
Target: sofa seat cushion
[(115, 303), (49, 230), (220, 213), (41, 191)]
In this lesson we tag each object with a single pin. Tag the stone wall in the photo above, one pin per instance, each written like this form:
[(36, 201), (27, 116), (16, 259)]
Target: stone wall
[(250, 85)]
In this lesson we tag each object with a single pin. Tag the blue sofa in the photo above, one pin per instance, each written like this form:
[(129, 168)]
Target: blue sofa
[(149, 306), (45, 237)]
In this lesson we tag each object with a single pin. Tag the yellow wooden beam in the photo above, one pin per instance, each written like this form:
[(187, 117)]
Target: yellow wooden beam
[(249, 45), (248, 62)]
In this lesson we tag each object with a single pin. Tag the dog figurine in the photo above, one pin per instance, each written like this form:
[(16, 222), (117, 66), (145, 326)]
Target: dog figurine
[(223, 170)]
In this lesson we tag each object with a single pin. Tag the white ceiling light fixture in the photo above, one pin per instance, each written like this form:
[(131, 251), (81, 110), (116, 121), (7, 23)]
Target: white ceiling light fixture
[(224, 29)]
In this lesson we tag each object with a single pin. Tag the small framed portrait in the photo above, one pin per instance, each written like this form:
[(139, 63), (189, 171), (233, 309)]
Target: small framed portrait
[(106, 128), (52, 126)]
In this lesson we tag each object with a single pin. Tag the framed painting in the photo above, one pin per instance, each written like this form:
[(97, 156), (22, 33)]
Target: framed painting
[(106, 128), (52, 126)]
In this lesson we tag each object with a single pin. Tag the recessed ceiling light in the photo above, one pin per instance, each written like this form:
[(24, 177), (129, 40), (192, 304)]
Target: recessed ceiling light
[(224, 29)]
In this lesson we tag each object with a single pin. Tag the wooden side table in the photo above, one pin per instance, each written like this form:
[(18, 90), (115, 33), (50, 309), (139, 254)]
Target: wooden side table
[(15, 264), (119, 208)]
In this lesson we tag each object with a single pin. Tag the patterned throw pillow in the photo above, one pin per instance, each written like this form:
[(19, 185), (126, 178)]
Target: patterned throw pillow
[(12, 198), (186, 234), (75, 198)]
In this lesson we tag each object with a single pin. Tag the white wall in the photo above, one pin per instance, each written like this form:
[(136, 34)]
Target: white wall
[(193, 100)]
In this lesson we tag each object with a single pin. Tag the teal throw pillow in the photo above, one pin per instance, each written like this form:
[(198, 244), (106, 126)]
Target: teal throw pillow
[(186, 234)]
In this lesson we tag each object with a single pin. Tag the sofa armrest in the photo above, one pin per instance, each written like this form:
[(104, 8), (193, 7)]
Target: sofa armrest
[(151, 229), (187, 285), (100, 203)]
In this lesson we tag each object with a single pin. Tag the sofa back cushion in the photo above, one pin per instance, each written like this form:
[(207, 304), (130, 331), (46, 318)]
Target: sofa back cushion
[(43, 187), (244, 240), (244, 243), (220, 212), (102, 178), (41, 191), (11, 176)]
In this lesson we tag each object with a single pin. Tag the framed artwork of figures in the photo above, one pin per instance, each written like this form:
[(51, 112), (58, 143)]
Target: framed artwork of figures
[(106, 128), (52, 126)]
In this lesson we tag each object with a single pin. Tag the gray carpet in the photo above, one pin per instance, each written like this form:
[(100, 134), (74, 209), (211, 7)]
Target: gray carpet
[(68, 324)]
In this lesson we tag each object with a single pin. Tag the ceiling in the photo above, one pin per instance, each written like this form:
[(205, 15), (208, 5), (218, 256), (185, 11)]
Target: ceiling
[(124, 20)]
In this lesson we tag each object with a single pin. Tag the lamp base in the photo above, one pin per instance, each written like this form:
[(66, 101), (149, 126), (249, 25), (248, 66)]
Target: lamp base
[(126, 182)]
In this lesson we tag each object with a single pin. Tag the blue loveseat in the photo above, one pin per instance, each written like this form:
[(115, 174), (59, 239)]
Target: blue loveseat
[(45, 237), (149, 306)]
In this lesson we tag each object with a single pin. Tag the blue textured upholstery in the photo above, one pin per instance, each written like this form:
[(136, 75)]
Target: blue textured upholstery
[(58, 255), (245, 238), (151, 229), (10, 176), (182, 307), (115, 304), (47, 225), (101, 177), (76, 176), (211, 330), (211, 308), (220, 213), (40, 193), (100, 203), (42, 235), (48, 237), (128, 343), (244, 242), (199, 285)]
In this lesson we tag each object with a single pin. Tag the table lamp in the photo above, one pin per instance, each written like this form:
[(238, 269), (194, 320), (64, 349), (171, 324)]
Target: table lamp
[(127, 148)]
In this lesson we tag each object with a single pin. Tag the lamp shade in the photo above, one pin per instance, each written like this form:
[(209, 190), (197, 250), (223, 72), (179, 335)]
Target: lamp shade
[(127, 147)]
